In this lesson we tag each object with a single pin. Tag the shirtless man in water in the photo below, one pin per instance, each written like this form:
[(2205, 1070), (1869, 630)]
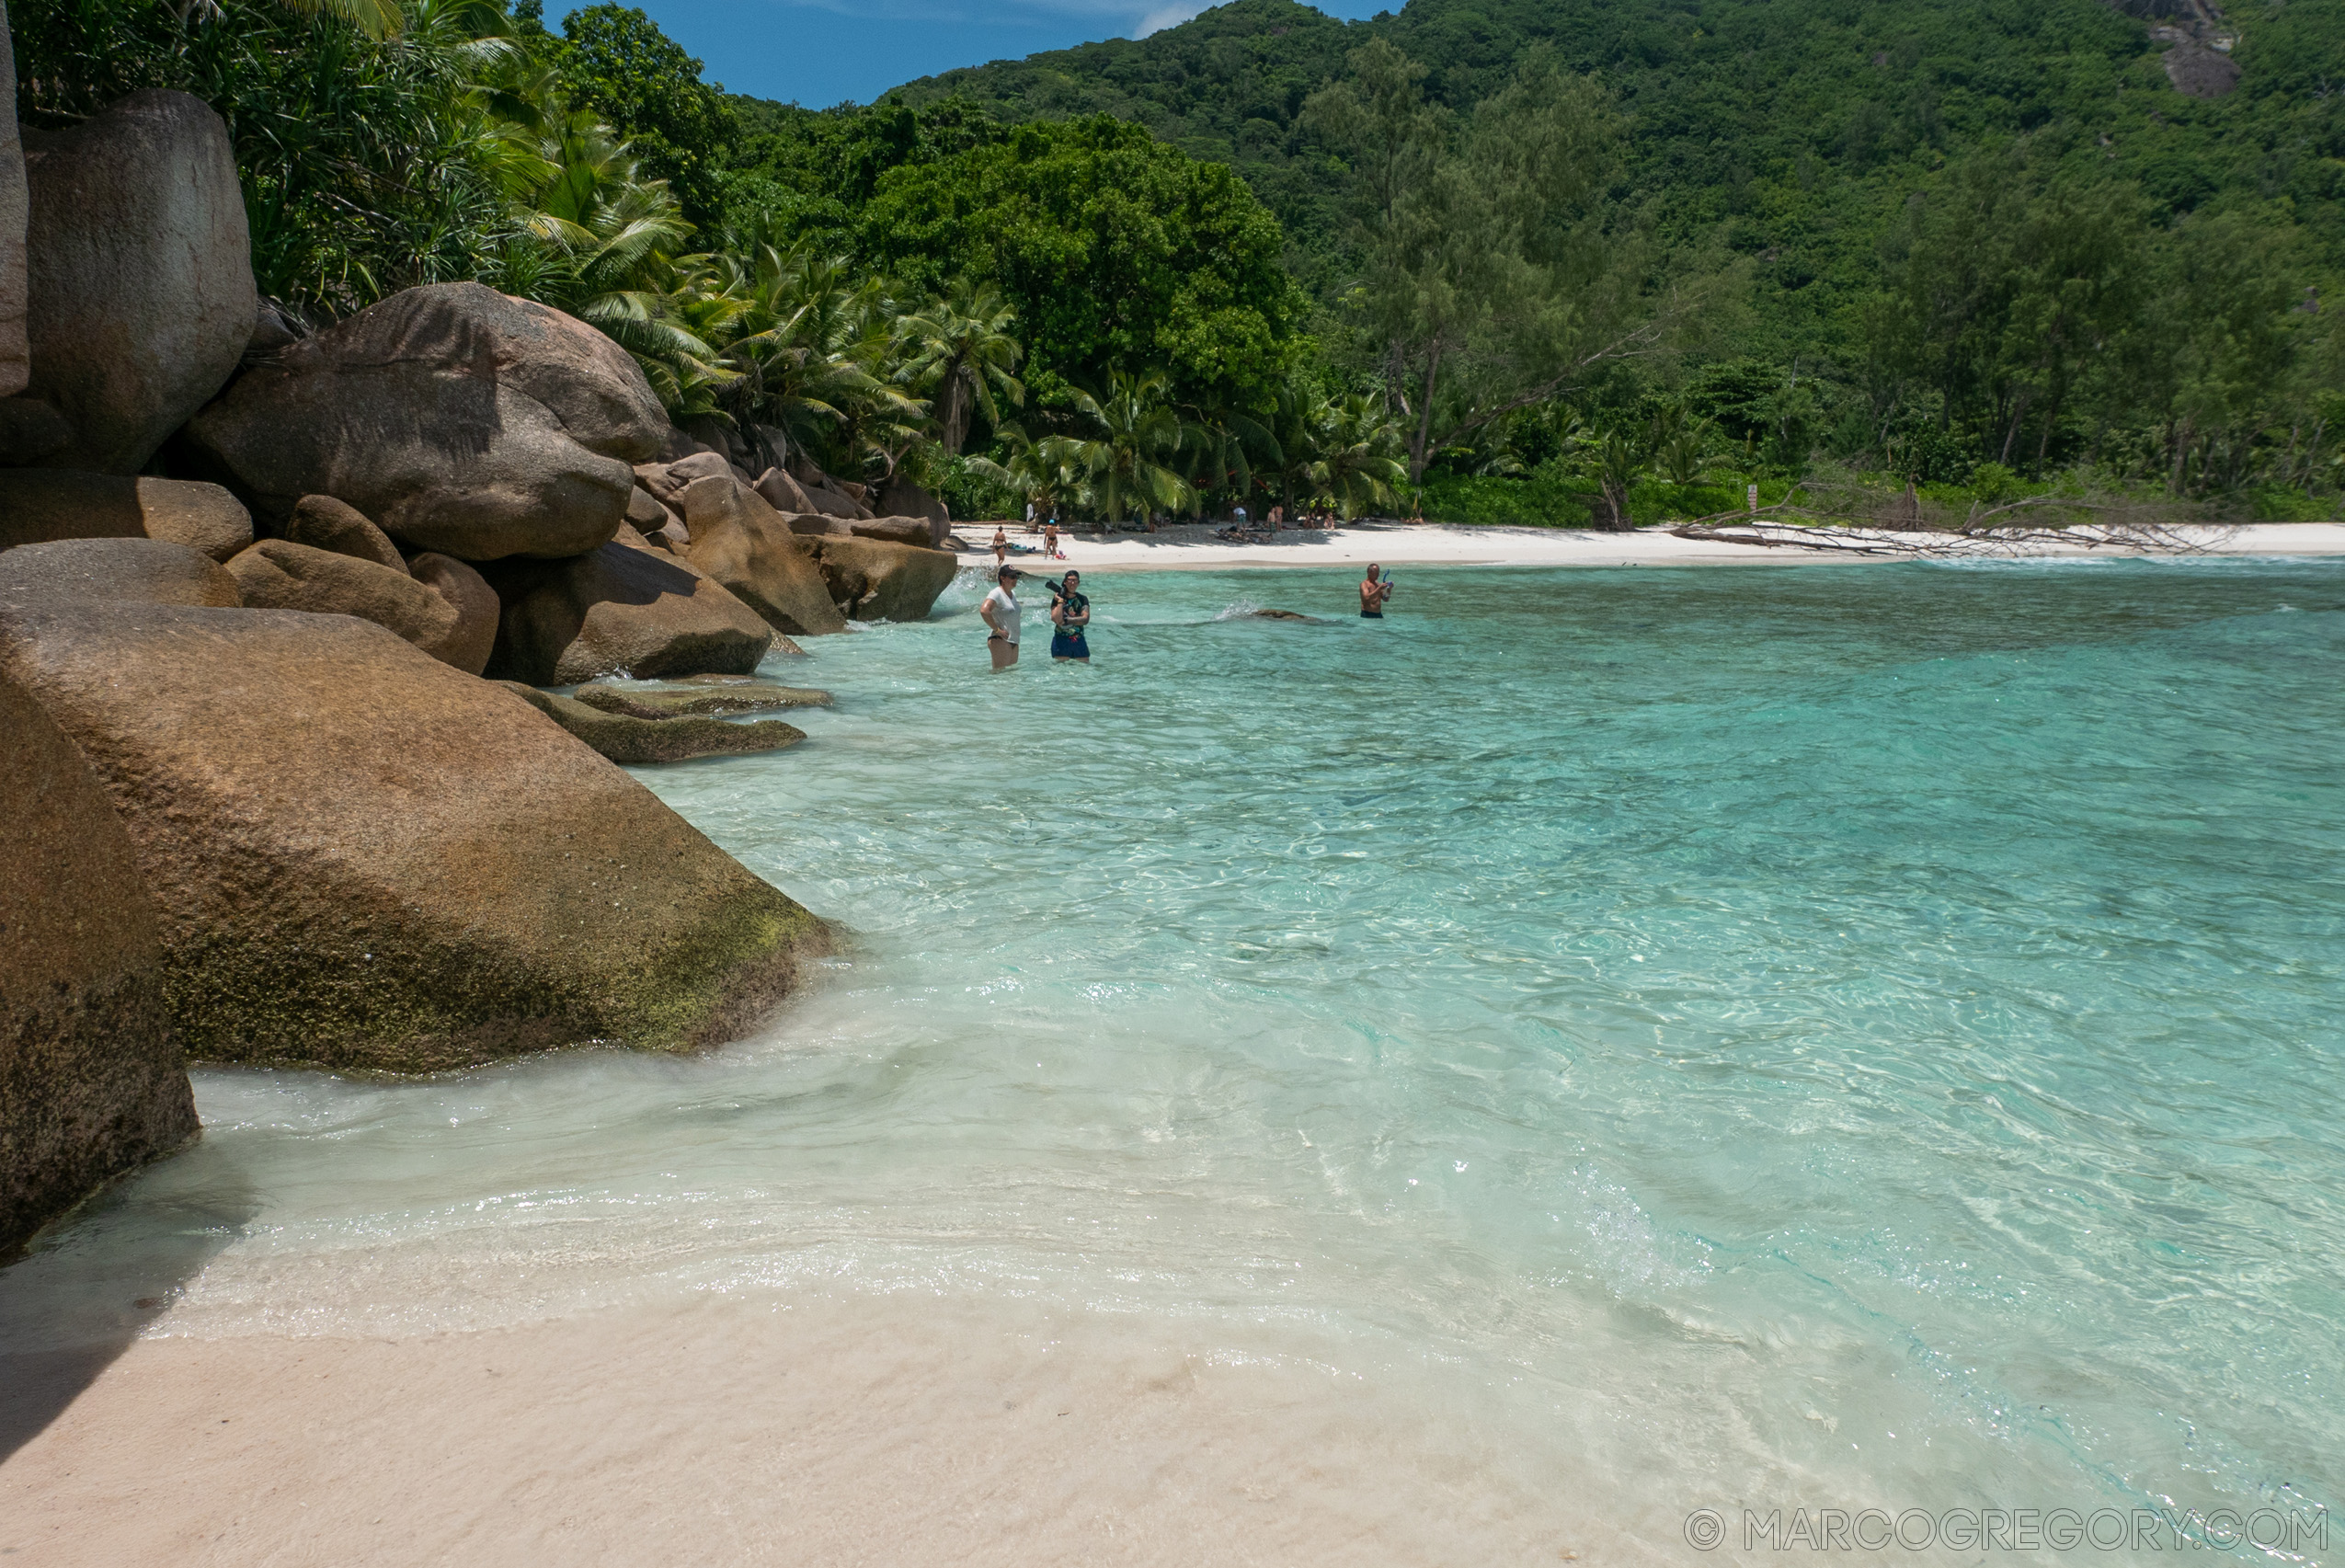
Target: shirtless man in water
[(1373, 594)]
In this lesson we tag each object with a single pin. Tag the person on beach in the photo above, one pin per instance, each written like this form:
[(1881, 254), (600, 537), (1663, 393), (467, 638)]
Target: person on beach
[(1001, 547), (1373, 593), (1000, 612), (1051, 550), (1070, 615)]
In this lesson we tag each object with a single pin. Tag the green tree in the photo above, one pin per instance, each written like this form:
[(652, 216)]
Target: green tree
[(614, 62), (1130, 459), (1492, 275), (964, 357)]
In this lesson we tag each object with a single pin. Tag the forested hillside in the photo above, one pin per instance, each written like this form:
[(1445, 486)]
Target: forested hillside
[(1850, 153), (1563, 261)]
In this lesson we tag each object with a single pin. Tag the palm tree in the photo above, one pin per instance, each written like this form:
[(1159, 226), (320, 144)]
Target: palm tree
[(962, 355), (1357, 442), (1048, 470), (815, 353), (1130, 463)]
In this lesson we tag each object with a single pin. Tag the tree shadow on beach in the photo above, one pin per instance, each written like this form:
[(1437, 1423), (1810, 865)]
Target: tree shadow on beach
[(96, 1279)]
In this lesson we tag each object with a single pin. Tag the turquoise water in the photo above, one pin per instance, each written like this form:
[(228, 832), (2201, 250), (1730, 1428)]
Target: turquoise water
[(1821, 1035)]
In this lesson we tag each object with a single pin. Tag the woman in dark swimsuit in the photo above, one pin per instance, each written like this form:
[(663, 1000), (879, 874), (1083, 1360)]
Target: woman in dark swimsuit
[(1070, 615), (1373, 594)]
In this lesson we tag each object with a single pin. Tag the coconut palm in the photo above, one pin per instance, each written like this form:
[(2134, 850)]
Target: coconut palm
[(1357, 443), (963, 356), (1132, 463)]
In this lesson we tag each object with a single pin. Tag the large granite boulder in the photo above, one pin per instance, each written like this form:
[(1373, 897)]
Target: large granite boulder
[(323, 523), (91, 1083), (873, 580), (140, 268), (457, 418), (916, 530), (782, 493), (364, 859), (39, 504), (470, 642), (15, 353), (277, 574), (666, 481), (745, 545), (117, 571), (901, 497), (620, 609), (635, 740)]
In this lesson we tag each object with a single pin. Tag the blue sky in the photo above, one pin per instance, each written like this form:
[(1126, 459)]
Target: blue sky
[(819, 52)]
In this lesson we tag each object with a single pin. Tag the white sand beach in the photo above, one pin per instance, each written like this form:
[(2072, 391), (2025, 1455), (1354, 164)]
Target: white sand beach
[(1398, 544)]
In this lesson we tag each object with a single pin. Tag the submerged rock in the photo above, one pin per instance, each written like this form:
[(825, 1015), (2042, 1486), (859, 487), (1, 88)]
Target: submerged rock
[(140, 266), (41, 504), (117, 571), (363, 858), (743, 544), (1280, 615), (620, 609), (457, 418), (91, 1083), (745, 698), (872, 581), (633, 739)]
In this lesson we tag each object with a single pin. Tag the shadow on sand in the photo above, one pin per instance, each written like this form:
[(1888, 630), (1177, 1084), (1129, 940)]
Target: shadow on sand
[(95, 1279)]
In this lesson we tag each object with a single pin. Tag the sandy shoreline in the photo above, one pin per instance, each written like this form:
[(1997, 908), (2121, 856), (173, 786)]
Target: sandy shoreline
[(1194, 549), (786, 1430)]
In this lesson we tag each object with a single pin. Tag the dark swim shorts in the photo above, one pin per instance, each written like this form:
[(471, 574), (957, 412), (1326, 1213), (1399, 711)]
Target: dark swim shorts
[(1065, 646)]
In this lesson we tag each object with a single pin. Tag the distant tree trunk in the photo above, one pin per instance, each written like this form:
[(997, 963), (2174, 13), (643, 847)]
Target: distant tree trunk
[(1424, 437), (954, 418), (1611, 509)]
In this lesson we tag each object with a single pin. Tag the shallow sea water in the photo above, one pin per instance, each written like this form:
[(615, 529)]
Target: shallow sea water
[(1825, 1037)]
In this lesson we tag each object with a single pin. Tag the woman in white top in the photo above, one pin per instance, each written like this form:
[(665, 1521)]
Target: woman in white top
[(1000, 612)]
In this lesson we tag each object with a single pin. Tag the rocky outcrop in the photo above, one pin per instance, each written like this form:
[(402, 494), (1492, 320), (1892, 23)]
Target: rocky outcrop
[(115, 571), (37, 504), (15, 353), (457, 418), (323, 523), (871, 580), (620, 609), (277, 574), (711, 702), (901, 497), (664, 481), (744, 544), (91, 1083), (469, 643), (363, 858), (915, 530), (141, 295), (784, 494), (635, 740)]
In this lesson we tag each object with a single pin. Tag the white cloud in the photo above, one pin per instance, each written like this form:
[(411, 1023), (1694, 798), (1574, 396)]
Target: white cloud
[(1168, 16)]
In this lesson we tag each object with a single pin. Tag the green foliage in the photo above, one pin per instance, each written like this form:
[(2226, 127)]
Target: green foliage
[(368, 165), (1974, 229), (1114, 251), (614, 62)]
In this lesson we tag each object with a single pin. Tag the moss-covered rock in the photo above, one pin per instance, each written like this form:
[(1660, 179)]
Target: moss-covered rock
[(718, 703), (91, 1083), (363, 858), (634, 740)]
